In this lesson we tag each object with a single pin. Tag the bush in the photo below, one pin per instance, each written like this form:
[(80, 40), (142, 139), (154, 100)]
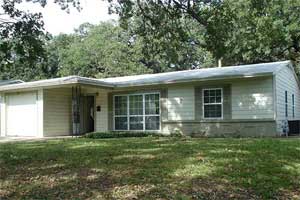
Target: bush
[(99, 135), (177, 133)]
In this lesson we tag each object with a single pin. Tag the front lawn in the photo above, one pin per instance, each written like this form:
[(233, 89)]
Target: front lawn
[(151, 168)]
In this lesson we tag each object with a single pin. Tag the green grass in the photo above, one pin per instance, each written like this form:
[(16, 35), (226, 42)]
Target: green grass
[(151, 168)]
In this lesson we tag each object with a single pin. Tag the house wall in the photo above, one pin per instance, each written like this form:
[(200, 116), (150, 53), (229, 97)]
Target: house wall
[(250, 99), (57, 112), (248, 108), (223, 128), (286, 81), (253, 99), (180, 103), (101, 123)]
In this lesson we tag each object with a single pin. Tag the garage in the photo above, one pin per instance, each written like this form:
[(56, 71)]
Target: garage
[(22, 114)]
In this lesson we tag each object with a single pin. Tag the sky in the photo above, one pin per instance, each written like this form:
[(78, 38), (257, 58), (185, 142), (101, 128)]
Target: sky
[(59, 21)]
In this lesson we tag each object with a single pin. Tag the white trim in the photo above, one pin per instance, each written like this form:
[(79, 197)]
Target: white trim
[(3, 115), (144, 115), (40, 108), (203, 103), (274, 96)]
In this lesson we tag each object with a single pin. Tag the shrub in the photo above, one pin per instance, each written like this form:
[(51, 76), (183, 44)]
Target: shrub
[(98, 135), (177, 133)]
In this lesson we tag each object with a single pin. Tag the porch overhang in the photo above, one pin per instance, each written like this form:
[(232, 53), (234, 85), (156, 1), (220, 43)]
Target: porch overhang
[(56, 83)]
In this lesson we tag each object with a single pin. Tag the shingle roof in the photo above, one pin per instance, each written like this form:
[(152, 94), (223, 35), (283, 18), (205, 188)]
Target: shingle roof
[(198, 74), (9, 82), (240, 71)]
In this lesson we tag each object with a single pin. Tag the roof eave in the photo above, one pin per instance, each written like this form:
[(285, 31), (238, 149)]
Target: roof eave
[(197, 80), (68, 82)]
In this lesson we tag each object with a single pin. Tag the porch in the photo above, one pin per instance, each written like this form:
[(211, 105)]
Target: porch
[(75, 110)]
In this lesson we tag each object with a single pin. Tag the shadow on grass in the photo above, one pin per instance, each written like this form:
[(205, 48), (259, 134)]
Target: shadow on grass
[(151, 168)]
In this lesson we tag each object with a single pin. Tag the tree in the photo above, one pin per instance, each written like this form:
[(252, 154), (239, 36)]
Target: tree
[(98, 51), (176, 23), (107, 50), (245, 31), (265, 31), (55, 48), (167, 52), (22, 39)]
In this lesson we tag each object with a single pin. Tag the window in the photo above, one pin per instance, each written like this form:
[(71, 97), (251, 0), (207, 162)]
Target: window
[(286, 104), (293, 105), (121, 122), (152, 115), (212, 103), (137, 112)]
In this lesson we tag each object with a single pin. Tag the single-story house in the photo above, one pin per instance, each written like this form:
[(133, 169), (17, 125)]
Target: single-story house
[(246, 100)]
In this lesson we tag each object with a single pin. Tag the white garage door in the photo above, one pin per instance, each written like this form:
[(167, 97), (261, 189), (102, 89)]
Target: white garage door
[(22, 114)]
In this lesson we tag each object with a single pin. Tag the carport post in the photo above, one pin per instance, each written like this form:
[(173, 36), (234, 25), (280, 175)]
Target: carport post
[(76, 93)]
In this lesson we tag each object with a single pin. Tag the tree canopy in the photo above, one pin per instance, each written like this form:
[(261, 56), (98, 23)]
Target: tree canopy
[(22, 39), (245, 31), (100, 51), (107, 50)]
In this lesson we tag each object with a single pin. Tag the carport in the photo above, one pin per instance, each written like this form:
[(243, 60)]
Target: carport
[(56, 107)]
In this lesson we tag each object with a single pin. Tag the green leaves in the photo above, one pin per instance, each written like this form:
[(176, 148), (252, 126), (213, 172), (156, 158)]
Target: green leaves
[(245, 31), (101, 51), (151, 36), (22, 39), (107, 50)]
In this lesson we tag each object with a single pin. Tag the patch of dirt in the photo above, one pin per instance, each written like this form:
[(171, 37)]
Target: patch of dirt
[(213, 190)]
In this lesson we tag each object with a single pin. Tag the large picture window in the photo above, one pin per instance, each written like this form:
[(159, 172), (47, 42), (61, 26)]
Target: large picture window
[(213, 103), (137, 112)]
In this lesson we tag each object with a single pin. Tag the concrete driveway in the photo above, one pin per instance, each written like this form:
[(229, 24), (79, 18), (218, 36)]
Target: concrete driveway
[(18, 139)]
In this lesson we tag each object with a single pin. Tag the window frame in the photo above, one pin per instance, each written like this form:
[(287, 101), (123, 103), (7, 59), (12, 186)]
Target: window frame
[(144, 109), (204, 104)]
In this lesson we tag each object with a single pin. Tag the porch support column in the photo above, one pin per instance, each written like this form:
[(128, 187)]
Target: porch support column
[(76, 93)]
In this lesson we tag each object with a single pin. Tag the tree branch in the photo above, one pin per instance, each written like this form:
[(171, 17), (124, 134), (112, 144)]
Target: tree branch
[(191, 12)]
